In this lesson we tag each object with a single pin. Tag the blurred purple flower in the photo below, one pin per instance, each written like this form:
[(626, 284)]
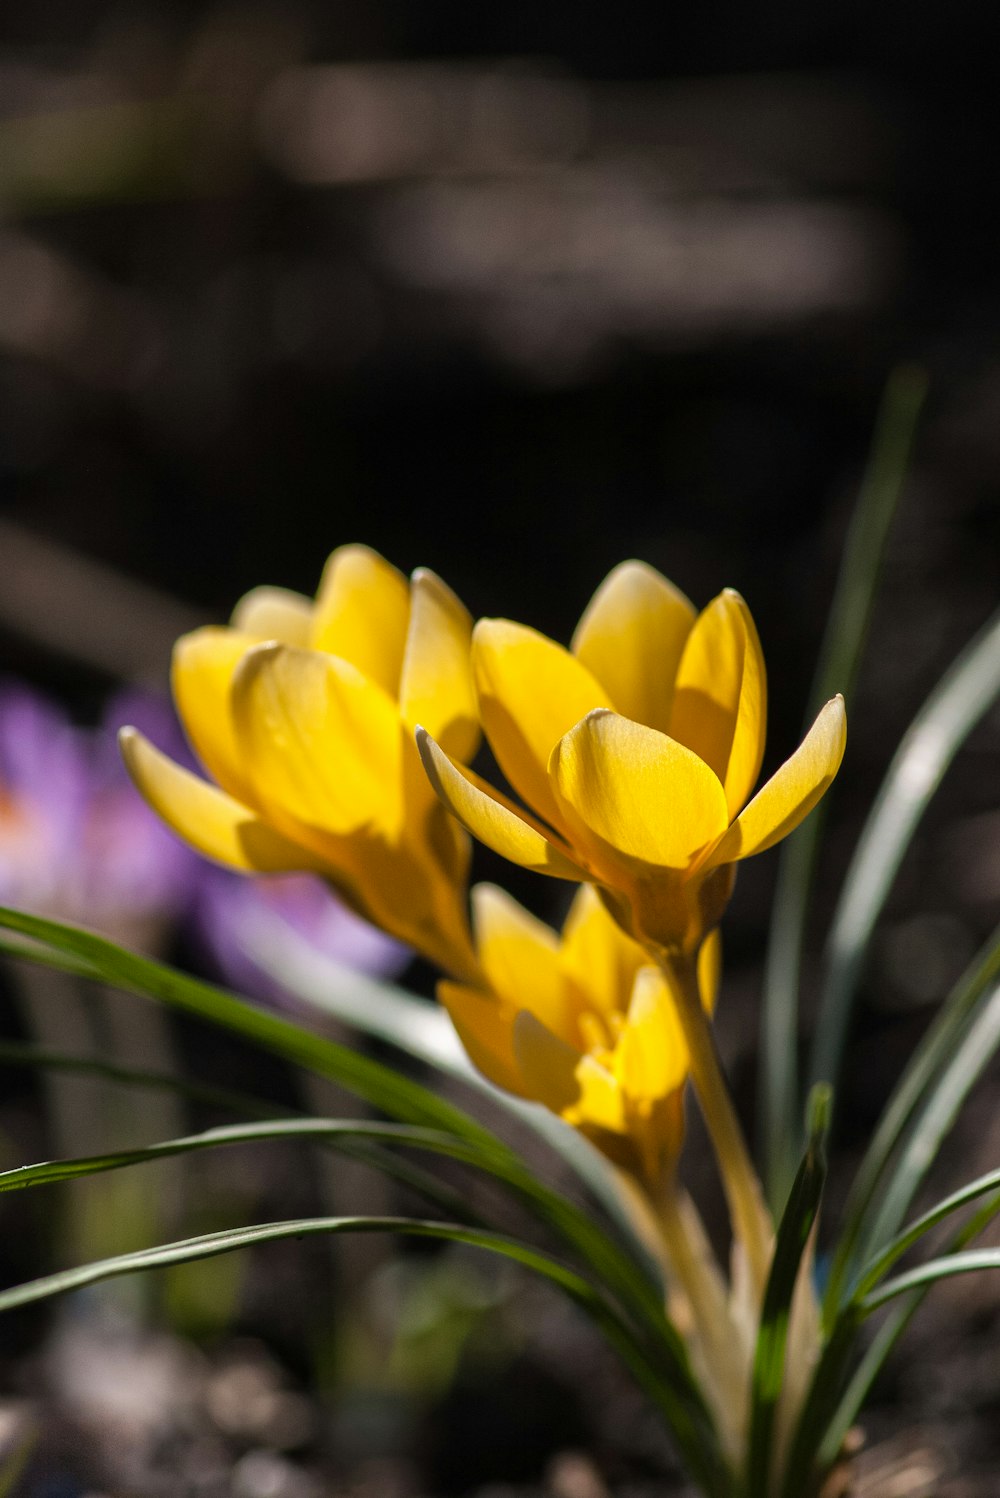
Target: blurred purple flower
[(231, 909), (76, 842)]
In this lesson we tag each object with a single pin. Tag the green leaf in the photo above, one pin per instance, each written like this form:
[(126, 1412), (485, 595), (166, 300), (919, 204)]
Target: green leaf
[(331, 1130), (934, 1122), (826, 1419), (689, 1431), (964, 695), (861, 1381), (940, 1056), (409, 1103), (893, 1328), (395, 1095), (18, 1053), (912, 1234), (207, 1245), (38, 953), (424, 1031), (840, 658), (420, 1029), (379, 1085), (802, 1467), (772, 1337), (923, 1275)]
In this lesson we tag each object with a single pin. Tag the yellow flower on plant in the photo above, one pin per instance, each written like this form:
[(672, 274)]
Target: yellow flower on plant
[(303, 713), (636, 751), (582, 1023)]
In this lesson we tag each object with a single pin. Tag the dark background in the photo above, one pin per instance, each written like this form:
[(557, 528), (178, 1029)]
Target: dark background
[(515, 292)]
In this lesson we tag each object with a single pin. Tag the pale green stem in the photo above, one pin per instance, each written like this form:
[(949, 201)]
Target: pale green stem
[(698, 1301), (725, 1349), (752, 1225)]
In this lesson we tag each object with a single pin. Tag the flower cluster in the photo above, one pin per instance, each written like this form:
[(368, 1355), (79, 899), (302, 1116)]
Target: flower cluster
[(632, 758)]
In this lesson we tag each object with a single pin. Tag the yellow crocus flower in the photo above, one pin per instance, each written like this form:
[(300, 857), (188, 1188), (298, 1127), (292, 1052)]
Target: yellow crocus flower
[(636, 751), (303, 713), (581, 1022)]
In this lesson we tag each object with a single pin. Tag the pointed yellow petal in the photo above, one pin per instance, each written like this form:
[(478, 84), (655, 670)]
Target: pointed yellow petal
[(596, 956), (202, 670), (274, 614), (651, 1058), (207, 818), (437, 688), (631, 637), (792, 791), (520, 959), (720, 706), (531, 691), (485, 1027), (322, 742), (362, 612), (627, 789), (554, 1073), (710, 969), (492, 821)]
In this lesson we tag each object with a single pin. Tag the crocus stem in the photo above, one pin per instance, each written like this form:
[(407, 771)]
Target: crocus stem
[(725, 1349), (751, 1223)]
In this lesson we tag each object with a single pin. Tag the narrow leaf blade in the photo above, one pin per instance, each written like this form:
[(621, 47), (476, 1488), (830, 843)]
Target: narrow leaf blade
[(772, 1338), (840, 658), (960, 700)]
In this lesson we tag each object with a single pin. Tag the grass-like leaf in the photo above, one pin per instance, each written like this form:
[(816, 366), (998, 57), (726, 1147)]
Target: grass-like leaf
[(840, 658), (941, 1057), (934, 1122), (970, 1262), (688, 1428), (424, 1031), (409, 1103), (208, 1245), (399, 1097), (963, 696), (772, 1337), (889, 1333), (40, 1058), (331, 1130), (802, 1466), (931, 1219)]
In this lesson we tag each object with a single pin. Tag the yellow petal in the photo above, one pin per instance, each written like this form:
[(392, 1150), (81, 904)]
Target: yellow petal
[(720, 706), (485, 1027), (520, 959), (208, 819), (399, 888), (651, 1058), (628, 790), (492, 821), (792, 791), (710, 969), (274, 614), (572, 1085), (322, 742), (631, 637), (596, 956), (202, 670), (437, 688), (362, 612), (531, 691)]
